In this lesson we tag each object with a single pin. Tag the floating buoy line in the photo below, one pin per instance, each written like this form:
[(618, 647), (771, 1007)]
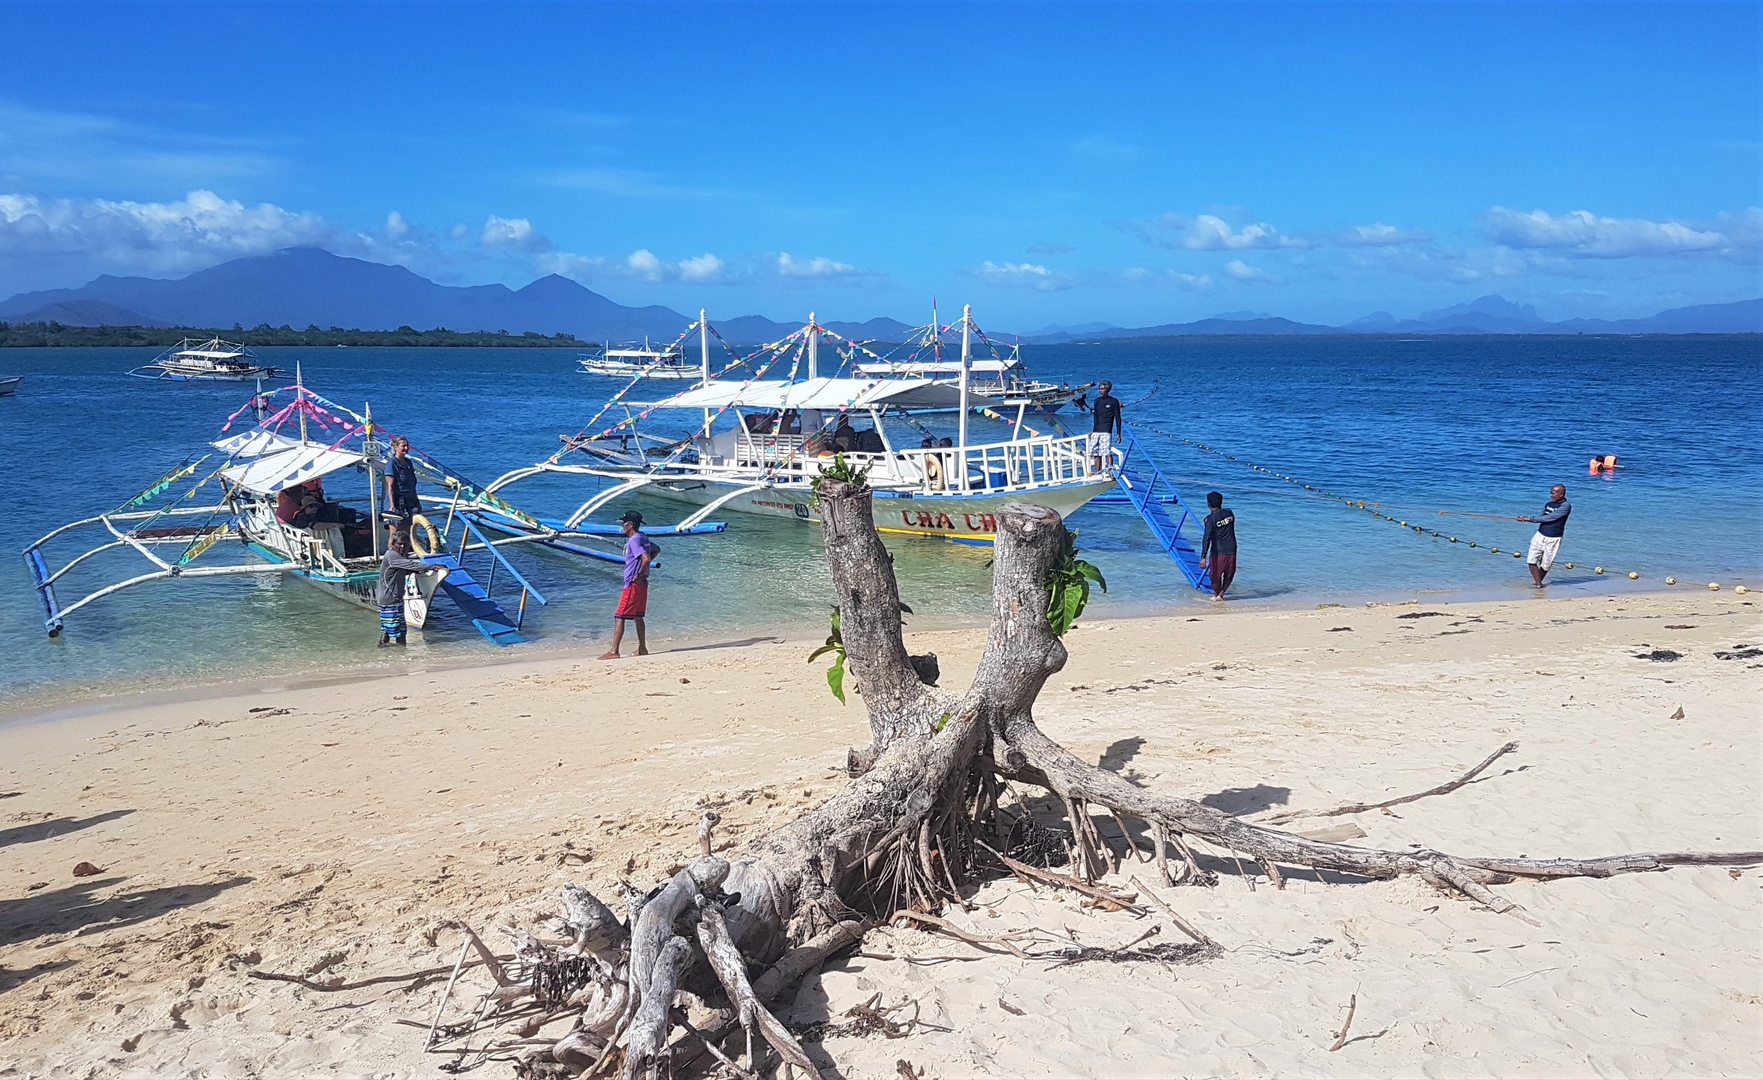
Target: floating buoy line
[(1377, 508)]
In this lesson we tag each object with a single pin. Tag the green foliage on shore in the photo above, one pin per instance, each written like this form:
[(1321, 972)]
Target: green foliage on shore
[(53, 334)]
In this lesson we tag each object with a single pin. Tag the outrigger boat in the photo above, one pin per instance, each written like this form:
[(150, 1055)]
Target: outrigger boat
[(1000, 380), (9, 384), (784, 436), (261, 471), (645, 359), (191, 360)]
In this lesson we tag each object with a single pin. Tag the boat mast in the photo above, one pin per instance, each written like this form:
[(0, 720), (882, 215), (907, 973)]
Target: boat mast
[(300, 401), (373, 486), (966, 367), (704, 361), (813, 348)]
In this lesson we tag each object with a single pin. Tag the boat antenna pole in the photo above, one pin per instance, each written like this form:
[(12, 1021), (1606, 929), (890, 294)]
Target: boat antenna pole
[(813, 348), (704, 361), (373, 484), (936, 333), (300, 401), (966, 367)]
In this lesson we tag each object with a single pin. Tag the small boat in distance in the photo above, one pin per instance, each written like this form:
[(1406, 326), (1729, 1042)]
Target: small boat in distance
[(191, 360), (9, 384), (650, 361)]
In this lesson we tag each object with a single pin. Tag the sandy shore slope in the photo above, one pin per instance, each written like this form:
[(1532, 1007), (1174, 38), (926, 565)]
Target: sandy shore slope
[(335, 831)]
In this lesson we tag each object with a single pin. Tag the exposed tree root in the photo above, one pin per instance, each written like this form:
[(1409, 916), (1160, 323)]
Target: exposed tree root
[(920, 820)]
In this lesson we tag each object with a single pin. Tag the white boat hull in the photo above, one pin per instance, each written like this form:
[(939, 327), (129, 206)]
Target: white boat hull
[(964, 517)]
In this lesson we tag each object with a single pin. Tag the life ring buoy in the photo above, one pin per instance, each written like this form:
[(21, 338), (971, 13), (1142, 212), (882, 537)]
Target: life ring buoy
[(933, 471), (434, 538)]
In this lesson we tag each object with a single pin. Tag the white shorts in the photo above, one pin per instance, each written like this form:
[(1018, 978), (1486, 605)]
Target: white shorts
[(1543, 550), (1101, 443)]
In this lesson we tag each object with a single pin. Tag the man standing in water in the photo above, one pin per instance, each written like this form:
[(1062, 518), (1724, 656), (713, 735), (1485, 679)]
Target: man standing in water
[(1218, 546), (640, 553), (1106, 426), (1546, 544), (395, 566)]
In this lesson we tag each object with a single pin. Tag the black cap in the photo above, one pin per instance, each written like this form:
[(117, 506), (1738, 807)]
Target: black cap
[(632, 516)]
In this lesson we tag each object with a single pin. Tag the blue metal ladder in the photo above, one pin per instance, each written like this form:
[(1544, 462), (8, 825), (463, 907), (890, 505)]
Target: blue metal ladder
[(474, 598), (1156, 500)]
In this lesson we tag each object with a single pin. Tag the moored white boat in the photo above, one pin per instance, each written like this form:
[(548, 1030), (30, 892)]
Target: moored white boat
[(785, 433), (649, 361), (271, 502), (212, 360)]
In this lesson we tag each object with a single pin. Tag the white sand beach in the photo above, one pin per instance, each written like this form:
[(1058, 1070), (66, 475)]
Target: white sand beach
[(335, 831)]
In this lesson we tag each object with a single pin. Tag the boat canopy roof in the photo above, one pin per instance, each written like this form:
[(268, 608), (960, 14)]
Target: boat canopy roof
[(819, 394), (633, 351), (936, 367), (211, 354), (254, 444), (272, 472)]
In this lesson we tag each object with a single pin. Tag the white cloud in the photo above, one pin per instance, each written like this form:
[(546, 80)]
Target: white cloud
[(459, 231), (1381, 235), (1139, 275), (1023, 275), (640, 265), (701, 268), (396, 227), (150, 237), (513, 234), (1209, 232), (42, 147), (1583, 234), (643, 263), (819, 267), (1242, 271)]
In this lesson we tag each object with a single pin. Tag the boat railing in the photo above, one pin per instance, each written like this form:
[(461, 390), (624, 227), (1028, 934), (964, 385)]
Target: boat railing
[(1008, 466), (768, 450)]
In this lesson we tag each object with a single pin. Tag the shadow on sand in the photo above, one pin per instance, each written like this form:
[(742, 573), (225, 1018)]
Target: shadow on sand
[(78, 909)]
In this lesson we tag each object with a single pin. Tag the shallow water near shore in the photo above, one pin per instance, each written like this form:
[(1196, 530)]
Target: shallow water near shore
[(1479, 425)]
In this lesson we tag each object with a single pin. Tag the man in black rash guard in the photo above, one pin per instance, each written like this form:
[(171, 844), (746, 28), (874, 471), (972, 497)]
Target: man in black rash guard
[(1218, 547), (1106, 428)]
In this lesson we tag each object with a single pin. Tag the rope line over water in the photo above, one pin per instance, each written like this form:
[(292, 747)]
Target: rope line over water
[(1374, 507)]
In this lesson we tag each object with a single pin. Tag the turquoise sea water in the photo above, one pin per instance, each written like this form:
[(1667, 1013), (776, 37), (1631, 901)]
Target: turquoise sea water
[(1474, 424)]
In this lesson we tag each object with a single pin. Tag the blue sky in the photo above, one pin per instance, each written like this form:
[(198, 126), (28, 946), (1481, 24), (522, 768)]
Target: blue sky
[(1049, 163)]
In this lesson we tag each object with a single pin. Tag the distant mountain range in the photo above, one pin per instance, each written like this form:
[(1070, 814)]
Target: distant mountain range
[(1488, 315), (302, 287)]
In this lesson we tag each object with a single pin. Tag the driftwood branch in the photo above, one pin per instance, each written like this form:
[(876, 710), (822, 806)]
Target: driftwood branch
[(1340, 1040), (1360, 808)]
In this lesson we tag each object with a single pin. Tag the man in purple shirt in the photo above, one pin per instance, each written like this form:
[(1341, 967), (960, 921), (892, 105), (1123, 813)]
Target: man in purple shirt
[(640, 553)]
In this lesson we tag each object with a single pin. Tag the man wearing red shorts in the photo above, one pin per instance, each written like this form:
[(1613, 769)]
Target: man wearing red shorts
[(633, 602), (1218, 545)]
